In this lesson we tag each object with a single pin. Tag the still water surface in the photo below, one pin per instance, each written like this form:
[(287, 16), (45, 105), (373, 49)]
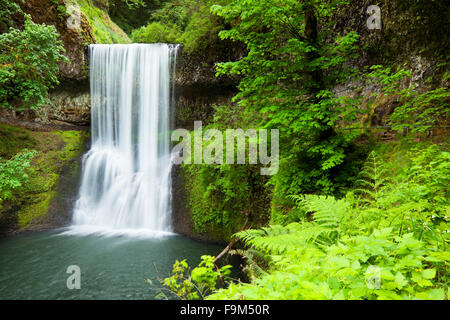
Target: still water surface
[(33, 266)]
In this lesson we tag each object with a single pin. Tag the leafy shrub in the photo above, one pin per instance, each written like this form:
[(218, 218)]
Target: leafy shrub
[(156, 32), (387, 242), (8, 8), (417, 111), (29, 60), (345, 270), (287, 77), (202, 29), (13, 174), (190, 23), (193, 284)]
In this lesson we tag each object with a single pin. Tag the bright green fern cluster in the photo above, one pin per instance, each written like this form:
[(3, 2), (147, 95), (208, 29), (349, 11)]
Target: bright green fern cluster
[(387, 239)]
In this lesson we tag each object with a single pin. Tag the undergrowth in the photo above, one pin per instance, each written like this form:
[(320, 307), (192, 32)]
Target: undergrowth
[(386, 239)]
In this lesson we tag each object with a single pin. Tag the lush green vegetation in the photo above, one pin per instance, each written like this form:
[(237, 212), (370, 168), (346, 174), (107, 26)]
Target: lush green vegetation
[(351, 216), (237, 191), (386, 239), (13, 174), (29, 64), (417, 111), (29, 179), (187, 284), (7, 9), (190, 23), (391, 228), (105, 31)]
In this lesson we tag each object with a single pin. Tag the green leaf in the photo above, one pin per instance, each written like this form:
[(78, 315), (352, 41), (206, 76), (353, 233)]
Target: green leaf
[(400, 280), (429, 273)]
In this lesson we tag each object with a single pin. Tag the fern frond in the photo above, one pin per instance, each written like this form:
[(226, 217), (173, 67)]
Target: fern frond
[(373, 178), (252, 267), (327, 211)]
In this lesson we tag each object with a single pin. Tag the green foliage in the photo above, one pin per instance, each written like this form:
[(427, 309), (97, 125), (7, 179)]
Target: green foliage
[(132, 17), (422, 111), (61, 8), (417, 110), (14, 140), (105, 31), (29, 64), (202, 28), (8, 8), (13, 174), (173, 12), (187, 22), (288, 76), (373, 178), (223, 196), (195, 284), (346, 270), (389, 242), (418, 201), (134, 3), (56, 152), (156, 32)]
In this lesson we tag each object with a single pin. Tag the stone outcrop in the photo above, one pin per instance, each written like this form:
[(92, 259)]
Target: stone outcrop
[(70, 101), (75, 40)]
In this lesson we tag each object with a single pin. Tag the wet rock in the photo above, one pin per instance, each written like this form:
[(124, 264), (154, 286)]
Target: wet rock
[(75, 40)]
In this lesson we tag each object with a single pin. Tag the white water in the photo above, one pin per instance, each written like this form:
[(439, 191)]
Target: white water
[(126, 184)]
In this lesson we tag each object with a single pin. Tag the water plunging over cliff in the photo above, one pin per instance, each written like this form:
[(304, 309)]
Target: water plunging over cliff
[(126, 181)]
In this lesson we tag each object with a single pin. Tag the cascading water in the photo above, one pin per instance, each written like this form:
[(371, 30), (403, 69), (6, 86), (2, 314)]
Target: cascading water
[(126, 181)]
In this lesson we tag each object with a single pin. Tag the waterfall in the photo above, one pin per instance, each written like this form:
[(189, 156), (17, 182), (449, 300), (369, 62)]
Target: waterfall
[(126, 184)]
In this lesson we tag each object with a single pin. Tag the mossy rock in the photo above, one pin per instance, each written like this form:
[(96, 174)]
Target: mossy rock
[(58, 152), (95, 26), (29, 214), (105, 31)]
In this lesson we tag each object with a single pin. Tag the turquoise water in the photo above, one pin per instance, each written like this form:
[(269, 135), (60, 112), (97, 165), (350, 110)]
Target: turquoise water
[(33, 266)]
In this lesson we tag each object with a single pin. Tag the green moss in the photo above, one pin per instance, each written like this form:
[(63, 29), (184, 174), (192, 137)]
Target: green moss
[(105, 31), (224, 198), (30, 213), (210, 218), (14, 139), (56, 151)]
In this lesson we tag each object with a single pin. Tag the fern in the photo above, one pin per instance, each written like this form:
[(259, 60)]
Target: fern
[(401, 228), (329, 215), (252, 269), (327, 211), (373, 178)]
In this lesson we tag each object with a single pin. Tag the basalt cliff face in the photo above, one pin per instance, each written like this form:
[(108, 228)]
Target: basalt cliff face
[(79, 23), (74, 38)]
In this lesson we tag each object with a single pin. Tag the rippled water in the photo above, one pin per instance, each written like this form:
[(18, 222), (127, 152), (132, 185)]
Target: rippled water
[(33, 266)]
